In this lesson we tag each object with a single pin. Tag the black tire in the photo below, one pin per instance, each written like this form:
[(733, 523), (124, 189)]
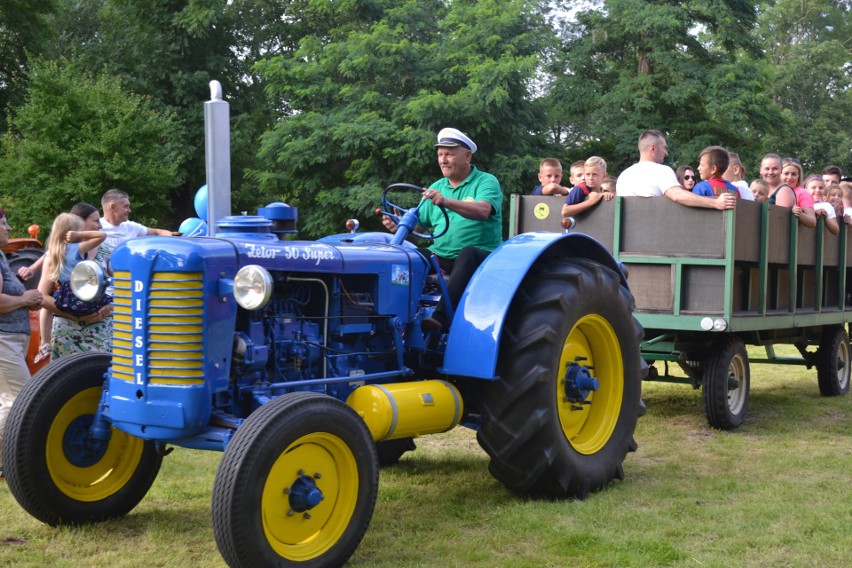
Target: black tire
[(833, 363), (539, 446), (26, 257), (389, 452), (57, 480), (727, 380), (296, 445)]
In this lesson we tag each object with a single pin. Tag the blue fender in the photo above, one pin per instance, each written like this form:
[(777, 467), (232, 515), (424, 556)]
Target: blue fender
[(474, 338)]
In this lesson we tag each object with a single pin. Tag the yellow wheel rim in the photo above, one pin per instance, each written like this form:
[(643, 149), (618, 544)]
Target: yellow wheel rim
[(79, 471), (300, 536), (592, 342)]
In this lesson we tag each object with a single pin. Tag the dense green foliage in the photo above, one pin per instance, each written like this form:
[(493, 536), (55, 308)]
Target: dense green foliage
[(169, 50), (77, 135), (810, 48), (24, 30), (679, 67), (331, 101), (369, 90)]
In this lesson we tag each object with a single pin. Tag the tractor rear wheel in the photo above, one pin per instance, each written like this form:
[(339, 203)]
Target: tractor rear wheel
[(727, 382), (55, 469), (297, 485), (833, 362), (549, 429)]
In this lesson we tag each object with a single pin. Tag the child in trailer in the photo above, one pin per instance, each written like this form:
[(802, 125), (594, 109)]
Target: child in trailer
[(550, 178), (712, 164), (760, 189), (588, 193), (815, 186)]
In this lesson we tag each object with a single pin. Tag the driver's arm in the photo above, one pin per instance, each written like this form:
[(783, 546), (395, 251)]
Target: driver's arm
[(391, 225), (476, 210)]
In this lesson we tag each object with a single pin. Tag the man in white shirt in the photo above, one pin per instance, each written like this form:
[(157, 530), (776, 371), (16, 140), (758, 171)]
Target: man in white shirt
[(115, 220), (650, 178)]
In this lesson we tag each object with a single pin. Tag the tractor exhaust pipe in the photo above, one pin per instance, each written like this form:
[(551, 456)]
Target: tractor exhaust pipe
[(217, 154)]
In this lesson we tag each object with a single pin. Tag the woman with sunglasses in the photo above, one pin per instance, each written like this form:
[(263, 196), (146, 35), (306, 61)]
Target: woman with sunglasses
[(686, 177)]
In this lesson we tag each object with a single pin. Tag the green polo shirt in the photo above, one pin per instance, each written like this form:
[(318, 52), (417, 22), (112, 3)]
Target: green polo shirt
[(487, 234)]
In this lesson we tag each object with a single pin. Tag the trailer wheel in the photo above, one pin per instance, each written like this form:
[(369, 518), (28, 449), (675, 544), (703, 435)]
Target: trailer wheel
[(56, 471), (833, 362), (727, 381), (297, 485), (549, 430)]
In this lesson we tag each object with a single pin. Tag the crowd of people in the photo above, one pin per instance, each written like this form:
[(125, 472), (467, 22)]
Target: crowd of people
[(67, 324), (473, 198), (720, 181)]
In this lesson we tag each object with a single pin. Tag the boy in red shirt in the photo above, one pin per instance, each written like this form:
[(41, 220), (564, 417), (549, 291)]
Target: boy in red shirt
[(712, 163)]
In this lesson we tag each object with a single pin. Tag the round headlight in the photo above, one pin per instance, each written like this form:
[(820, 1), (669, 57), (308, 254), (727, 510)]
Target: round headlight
[(252, 287), (88, 280)]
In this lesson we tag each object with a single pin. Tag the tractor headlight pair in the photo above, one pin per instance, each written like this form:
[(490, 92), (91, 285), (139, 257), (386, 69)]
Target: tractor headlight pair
[(252, 284)]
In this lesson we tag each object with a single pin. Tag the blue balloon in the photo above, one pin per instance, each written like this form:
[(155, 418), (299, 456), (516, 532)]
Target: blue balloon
[(201, 202), (193, 227)]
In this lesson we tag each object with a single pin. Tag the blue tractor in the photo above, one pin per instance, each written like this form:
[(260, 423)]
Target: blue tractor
[(306, 364)]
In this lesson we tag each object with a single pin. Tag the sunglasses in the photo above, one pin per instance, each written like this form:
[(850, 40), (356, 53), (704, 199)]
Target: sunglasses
[(689, 177)]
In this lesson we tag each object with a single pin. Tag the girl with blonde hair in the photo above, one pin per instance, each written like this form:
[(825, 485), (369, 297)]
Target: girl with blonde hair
[(69, 243)]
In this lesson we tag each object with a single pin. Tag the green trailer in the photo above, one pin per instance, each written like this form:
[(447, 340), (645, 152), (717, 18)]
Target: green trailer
[(707, 283)]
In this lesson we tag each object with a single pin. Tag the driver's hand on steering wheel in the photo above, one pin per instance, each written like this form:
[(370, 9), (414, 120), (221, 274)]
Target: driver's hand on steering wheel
[(389, 223), (434, 196)]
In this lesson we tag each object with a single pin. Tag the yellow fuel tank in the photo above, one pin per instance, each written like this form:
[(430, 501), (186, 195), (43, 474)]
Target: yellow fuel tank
[(407, 410)]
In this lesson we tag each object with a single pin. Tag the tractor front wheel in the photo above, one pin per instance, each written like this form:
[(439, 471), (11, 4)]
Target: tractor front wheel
[(560, 420), (297, 485), (55, 468)]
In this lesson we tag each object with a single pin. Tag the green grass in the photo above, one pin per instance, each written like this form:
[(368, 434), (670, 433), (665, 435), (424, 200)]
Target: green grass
[(775, 492)]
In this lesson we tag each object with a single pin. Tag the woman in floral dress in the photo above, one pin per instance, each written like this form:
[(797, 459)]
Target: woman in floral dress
[(70, 334)]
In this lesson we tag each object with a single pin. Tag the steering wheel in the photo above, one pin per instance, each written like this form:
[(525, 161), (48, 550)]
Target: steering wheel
[(389, 207)]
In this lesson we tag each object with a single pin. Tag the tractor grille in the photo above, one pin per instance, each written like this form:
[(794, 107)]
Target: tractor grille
[(172, 329)]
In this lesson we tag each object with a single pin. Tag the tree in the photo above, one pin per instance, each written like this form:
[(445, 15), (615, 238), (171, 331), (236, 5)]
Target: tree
[(811, 79), (169, 51), (371, 83), (24, 29), (78, 135), (681, 67)]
